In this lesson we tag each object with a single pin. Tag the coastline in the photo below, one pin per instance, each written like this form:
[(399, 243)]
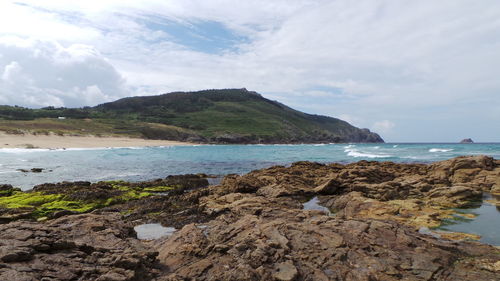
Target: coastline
[(377, 214), (61, 142)]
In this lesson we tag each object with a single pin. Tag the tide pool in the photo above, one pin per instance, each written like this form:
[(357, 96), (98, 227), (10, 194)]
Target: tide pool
[(486, 223)]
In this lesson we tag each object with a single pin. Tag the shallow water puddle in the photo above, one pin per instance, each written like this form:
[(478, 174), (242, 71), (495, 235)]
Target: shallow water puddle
[(150, 231), (485, 223), (313, 204)]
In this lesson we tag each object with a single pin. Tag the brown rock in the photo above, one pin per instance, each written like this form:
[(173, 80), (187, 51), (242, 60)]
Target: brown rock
[(80, 247), (285, 271), (330, 186), (283, 242), (253, 227)]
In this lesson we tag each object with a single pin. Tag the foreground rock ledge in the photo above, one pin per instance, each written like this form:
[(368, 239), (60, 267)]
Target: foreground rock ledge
[(253, 227)]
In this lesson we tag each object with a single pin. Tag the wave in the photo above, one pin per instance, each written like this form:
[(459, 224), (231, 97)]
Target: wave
[(8, 172), (85, 148), (26, 150), (440, 149), (356, 153), (22, 150)]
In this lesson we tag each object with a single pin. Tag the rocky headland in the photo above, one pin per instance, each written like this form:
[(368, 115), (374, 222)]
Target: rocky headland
[(255, 227), (216, 116)]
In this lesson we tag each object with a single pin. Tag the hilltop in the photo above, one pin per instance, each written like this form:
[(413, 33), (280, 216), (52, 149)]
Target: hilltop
[(208, 116)]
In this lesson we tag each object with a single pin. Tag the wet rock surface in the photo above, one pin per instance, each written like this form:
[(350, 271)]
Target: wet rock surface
[(254, 227), (81, 247), (306, 246), (53, 200)]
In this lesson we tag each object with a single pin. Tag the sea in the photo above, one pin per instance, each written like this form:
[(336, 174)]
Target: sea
[(148, 163)]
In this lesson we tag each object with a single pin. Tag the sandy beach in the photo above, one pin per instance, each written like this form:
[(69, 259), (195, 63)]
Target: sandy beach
[(52, 141)]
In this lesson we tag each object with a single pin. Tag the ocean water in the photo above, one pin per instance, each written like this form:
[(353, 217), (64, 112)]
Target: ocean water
[(146, 163)]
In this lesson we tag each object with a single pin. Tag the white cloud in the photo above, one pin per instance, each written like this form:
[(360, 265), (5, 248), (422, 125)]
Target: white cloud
[(404, 61), (383, 126), (41, 73)]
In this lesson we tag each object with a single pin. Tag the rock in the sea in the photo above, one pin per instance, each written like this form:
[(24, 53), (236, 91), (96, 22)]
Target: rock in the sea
[(467, 141), (33, 170)]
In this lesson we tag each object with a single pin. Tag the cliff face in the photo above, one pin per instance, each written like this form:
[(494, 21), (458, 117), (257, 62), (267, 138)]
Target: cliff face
[(236, 116)]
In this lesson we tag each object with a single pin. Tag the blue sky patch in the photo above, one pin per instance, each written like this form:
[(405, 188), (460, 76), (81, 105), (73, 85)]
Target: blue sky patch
[(328, 89), (202, 36)]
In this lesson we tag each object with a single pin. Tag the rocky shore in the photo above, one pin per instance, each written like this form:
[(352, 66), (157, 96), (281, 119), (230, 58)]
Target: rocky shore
[(254, 227)]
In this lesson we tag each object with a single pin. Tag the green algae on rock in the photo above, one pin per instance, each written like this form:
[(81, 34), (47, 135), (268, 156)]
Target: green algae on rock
[(54, 200), (43, 205)]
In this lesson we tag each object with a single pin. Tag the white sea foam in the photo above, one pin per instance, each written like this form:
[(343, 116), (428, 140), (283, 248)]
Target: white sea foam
[(22, 150), (395, 145), (86, 148), (440, 149), (356, 153), (28, 150), (367, 155), (8, 172)]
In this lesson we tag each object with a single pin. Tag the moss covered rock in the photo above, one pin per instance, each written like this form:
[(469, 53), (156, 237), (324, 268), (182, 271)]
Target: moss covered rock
[(55, 199)]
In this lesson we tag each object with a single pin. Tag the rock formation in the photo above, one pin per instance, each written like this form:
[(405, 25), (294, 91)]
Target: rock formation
[(254, 227), (81, 247), (467, 141)]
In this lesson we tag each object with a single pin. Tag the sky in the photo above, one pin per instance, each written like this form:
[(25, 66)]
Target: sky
[(412, 71)]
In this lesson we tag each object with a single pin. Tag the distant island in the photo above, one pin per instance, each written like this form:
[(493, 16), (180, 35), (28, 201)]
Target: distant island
[(467, 141), (210, 116)]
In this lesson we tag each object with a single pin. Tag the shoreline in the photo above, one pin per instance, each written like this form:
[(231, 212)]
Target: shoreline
[(182, 225), (62, 142)]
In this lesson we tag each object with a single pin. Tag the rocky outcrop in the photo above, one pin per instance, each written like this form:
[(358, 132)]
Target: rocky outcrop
[(262, 233), (300, 245), (82, 247), (254, 227), (467, 141), (413, 194), (52, 200)]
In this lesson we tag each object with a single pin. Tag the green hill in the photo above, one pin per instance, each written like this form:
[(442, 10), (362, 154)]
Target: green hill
[(209, 116)]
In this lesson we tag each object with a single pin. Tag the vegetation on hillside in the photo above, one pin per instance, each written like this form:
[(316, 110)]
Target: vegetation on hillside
[(214, 116)]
